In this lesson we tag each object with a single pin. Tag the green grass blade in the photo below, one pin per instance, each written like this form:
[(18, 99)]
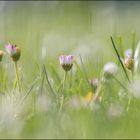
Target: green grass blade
[(86, 77), (29, 91), (48, 81), (42, 81), (119, 58)]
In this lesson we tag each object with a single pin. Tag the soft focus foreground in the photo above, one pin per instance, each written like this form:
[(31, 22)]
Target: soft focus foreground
[(90, 97)]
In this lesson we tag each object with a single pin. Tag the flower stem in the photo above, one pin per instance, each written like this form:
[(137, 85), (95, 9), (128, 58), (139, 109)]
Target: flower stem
[(64, 81), (62, 97), (130, 96), (17, 76), (128, 104), (97, 92)]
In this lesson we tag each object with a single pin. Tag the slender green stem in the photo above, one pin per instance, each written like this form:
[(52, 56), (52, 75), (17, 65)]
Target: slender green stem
[(61, 103), (129, 101), (122, 85), (53, 92), (64, 81), (17, 76), (97, 92), (62, 97), (130, 96)]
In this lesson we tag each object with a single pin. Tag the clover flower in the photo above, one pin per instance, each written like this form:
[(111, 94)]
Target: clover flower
[(110, 69), (66, 61), (13, 51)]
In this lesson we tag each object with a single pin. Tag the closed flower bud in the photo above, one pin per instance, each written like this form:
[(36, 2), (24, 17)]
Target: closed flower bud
[(13, 51), (110, 69), (1, 55), (66, 61)]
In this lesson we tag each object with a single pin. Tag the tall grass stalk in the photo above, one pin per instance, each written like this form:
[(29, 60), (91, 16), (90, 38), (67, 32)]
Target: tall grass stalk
[(53, 92), (119, 58)]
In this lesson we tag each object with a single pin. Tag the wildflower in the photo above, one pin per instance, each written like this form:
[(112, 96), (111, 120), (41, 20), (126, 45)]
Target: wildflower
[(1, 55), (91, 100), (128, 60), (94, 83), (91, 96), (129, 63), (66, 61), (110, 69), (13, 51), (88, 97), (128, 53)]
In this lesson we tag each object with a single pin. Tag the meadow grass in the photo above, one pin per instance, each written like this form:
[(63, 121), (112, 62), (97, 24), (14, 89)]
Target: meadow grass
[(35, 102)]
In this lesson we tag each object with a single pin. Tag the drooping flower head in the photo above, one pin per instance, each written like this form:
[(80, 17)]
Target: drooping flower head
[(1, 55), (13, 51), (110, 69), (66, 61)]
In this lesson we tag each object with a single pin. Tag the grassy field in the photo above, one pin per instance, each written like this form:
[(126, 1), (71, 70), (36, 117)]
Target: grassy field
[(45, 30)]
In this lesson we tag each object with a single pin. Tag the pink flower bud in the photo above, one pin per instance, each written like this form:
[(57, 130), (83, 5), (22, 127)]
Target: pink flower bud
[(66, 61), (13, 51)]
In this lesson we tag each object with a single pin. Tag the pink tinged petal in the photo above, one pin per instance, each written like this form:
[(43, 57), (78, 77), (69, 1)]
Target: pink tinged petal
[(11, 49), (8, 48), (66, 59), (128, 53), (62, 59), (69, 59)]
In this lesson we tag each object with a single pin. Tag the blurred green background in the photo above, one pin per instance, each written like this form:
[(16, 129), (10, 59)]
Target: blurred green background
[(46, 29)]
